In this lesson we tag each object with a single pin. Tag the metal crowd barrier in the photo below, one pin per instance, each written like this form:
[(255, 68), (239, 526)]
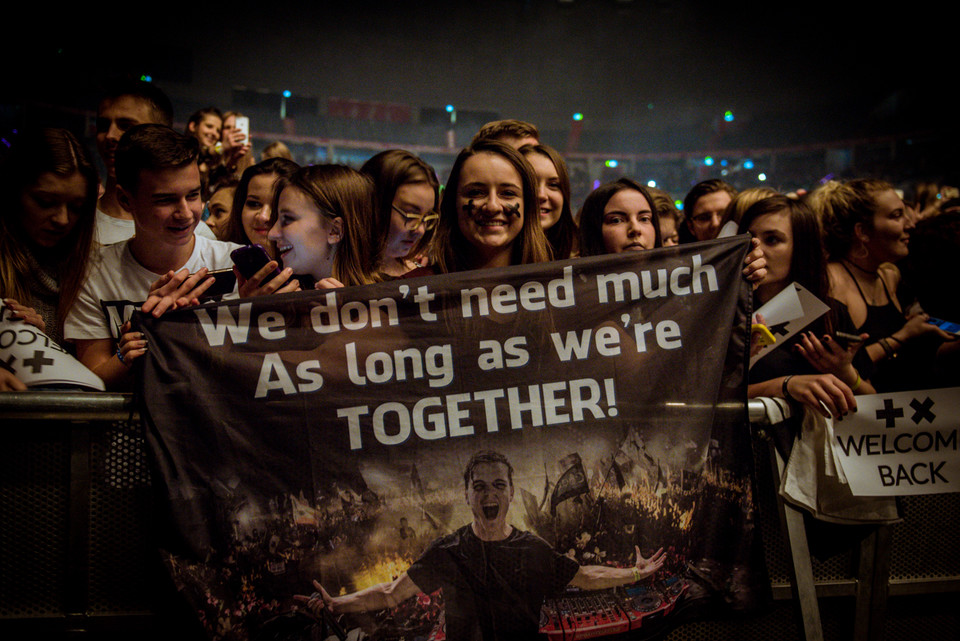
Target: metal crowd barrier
[(76, 557)]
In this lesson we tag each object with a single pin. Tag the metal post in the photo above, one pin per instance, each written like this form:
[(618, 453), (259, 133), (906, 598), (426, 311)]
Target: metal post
[(801, 569)]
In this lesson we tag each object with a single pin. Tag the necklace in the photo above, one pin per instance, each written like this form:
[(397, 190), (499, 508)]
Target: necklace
[(875, 273), (877, 294)]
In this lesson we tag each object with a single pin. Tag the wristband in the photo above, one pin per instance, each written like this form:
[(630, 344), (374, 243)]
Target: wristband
[(783, 388), (636, 574), (892, 337), (857, 384), (889, 351), (120, 355)]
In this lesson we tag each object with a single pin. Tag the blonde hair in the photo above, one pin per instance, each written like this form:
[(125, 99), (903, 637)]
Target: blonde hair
[(743, 201), (276, 149), (841, 207)]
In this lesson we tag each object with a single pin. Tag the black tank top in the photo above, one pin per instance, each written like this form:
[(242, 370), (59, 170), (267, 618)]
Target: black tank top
[(881, 320), (913, 366)]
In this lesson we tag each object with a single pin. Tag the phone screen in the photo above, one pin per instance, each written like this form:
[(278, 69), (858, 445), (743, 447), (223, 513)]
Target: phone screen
[(242, 124), (947, 326)]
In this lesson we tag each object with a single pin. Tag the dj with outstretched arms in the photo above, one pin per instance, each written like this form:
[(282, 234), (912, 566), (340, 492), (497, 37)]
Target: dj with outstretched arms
[(494, 577)]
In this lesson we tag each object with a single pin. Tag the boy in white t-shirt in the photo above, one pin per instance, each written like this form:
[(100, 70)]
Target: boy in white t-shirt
[(126, 104), (158, 183)]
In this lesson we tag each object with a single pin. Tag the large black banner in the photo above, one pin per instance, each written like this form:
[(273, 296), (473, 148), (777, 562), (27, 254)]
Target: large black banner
[(323, 435)]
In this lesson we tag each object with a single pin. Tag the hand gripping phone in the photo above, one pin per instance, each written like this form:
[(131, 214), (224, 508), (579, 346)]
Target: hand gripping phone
[(250, 259)]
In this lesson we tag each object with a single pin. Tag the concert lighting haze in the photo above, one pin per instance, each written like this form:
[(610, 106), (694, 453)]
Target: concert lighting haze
[(647, 76)]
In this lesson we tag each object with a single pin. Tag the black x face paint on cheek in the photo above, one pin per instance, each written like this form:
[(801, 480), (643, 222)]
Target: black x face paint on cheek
[(513, 210), (468, 207)]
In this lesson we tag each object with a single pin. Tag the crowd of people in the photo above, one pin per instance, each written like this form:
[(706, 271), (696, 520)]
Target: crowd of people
[(79, 256)]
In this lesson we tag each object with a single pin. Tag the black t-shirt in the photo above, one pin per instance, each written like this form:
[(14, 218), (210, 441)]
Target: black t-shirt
[(492, 589)]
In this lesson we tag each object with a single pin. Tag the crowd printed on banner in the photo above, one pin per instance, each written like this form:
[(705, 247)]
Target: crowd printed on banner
[(335, 450), (904, 443)]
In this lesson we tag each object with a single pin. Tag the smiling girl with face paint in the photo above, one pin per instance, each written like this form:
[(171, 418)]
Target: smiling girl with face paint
[(489, 212)]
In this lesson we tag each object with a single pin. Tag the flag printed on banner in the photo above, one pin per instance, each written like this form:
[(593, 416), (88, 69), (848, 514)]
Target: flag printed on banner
[(902, 443), (572, 482), (786, 314), (337, 450), (617, 474), (37, 360), (303, 514)]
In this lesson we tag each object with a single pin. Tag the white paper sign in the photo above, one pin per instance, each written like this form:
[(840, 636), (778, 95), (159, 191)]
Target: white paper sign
[(902, 443), (36, 359), (786, 314)]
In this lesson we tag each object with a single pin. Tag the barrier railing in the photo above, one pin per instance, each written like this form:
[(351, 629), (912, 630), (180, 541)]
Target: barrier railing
[(76, 554)]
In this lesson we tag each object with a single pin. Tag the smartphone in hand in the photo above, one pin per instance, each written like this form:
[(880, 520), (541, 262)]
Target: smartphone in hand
[(845, 339), (225, 281), (947, 326), (242, 124), (250, 259)]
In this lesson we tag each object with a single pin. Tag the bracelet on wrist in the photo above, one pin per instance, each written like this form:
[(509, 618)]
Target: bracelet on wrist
[(120, 356), (887, 349), (894, 338), (784, 390), (854, 387)]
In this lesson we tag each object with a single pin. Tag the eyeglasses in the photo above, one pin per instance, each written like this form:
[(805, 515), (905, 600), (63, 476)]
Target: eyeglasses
[(428, 219)]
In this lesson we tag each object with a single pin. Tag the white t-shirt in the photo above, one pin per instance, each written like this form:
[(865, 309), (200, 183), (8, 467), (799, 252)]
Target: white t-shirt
[(117, 285), (110, 230)]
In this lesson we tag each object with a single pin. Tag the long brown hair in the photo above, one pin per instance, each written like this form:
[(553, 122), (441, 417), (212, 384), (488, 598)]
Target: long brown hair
[(59, 152), (282, 167), (345, 193), (563, 235), (390, 170), (591, 215), (452, 249)]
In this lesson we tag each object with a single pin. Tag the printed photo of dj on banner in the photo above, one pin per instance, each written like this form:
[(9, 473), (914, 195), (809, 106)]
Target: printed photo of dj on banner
[(558, 449)]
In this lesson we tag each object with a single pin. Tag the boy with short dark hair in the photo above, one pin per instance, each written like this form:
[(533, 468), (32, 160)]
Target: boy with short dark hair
[(158, 184), (124, 105)]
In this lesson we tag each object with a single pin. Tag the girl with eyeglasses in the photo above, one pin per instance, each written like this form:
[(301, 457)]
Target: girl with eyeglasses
[(407, 195)]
